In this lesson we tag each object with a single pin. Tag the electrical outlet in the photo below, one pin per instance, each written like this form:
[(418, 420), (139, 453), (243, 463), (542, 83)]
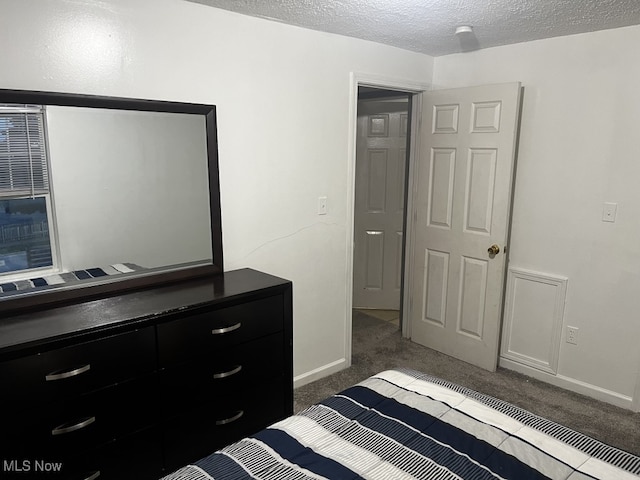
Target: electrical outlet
[(572, 335)]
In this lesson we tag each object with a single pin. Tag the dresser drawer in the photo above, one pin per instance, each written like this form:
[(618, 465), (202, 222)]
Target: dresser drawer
[(78, 369), (194, 435), (77, 425), (199, 334), (136, 456), (245, 366)]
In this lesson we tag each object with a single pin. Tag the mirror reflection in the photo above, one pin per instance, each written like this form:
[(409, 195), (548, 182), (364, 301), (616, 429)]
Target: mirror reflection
[(127, 190)]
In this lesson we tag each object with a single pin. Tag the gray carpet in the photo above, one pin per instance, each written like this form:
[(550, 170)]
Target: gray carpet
[(378, 346)]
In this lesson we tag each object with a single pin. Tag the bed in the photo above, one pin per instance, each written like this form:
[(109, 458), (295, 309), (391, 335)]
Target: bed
[(66, 278), (404, 424)]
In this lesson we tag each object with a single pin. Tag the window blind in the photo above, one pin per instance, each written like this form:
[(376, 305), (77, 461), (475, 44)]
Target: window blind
[(23, 157)]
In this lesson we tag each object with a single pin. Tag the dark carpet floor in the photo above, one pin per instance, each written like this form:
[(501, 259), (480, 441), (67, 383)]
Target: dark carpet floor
[(378, 345)]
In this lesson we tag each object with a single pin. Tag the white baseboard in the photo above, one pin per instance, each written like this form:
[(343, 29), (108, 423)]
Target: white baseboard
[(320, 372), (571, 384)]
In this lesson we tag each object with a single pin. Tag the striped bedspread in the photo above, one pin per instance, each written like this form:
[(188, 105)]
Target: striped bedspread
[(67, 278), (402, 424)]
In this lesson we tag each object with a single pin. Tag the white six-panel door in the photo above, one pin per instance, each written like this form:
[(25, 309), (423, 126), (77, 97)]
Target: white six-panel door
[(379, 203), (462, 208)]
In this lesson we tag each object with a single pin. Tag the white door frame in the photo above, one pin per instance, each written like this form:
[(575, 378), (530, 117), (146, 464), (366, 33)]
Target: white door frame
[(635, 400), (389, 83)]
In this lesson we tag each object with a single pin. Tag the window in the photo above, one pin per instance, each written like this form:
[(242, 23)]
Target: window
[(25, 225)]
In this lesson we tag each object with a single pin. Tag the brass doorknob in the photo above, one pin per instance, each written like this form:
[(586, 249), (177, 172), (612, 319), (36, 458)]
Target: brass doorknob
[(493, 249)]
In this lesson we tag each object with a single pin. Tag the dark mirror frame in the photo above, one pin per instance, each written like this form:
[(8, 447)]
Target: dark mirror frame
[(153, 277)]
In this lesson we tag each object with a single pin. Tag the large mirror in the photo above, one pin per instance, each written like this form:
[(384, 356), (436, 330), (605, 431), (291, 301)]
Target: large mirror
[(122, 193)]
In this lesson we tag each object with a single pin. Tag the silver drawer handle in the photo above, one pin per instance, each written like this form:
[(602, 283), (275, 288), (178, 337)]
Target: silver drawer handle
[(224, 421), (58, 375), (66, 428), (93, 475), (218, 331), (233, 371)]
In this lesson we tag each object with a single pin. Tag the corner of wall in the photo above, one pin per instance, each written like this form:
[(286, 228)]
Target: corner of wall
[(320, 372)]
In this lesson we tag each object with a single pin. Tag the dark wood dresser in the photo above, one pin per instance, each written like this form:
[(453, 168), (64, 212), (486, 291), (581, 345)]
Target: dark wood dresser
[(138, 384)]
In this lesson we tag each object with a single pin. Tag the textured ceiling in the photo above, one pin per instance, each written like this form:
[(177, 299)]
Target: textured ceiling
[(428, 26)]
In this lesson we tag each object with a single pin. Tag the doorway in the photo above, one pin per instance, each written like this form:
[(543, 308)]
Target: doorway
[(414, 90), (382, 157), (476, 170)]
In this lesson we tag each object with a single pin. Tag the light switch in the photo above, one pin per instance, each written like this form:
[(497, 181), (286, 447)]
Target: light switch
[(609, 212), (322, 205)]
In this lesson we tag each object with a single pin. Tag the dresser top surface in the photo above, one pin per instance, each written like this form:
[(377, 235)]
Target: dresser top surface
[(33, 328)]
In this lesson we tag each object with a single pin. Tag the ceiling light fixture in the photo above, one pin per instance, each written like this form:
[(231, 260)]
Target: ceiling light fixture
[(463, 29)]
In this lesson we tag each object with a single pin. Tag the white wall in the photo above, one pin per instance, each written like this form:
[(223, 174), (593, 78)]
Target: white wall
[(129, 187), (283, 114), (579, 148)]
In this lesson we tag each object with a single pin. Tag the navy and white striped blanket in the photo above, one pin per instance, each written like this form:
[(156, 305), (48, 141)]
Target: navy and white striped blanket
[(402, 424), (66, 278)]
